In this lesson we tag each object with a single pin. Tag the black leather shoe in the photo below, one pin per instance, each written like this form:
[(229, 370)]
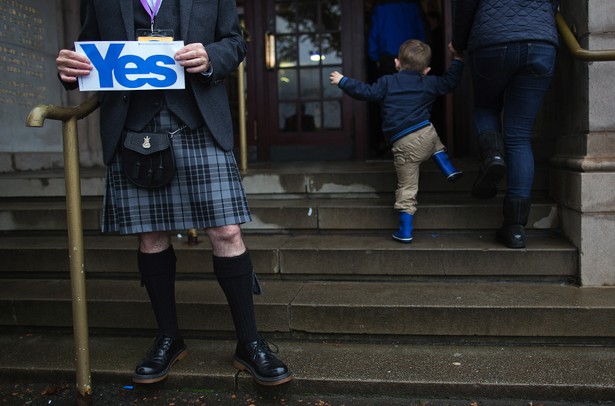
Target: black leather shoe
[(158, 361), (257, 358)]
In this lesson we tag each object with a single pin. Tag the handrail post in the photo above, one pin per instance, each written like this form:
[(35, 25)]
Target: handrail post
[(72, 179), (76, 258), (243, 142)]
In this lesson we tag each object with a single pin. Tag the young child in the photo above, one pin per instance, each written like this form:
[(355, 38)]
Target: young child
[(405, 100)]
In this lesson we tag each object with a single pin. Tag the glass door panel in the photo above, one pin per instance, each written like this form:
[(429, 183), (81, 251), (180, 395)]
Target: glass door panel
[(308, 47)]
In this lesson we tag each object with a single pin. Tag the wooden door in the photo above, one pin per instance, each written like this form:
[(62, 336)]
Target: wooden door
[(294, 114)]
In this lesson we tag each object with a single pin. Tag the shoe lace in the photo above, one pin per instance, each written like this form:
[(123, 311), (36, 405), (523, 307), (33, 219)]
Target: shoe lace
[(267, 346), (161, 346)]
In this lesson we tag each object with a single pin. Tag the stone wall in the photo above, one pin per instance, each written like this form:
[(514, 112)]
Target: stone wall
[(35, 31), (583, 176)]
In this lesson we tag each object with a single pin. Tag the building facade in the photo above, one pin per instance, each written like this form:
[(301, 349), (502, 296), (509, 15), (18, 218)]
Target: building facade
[(293, 114)]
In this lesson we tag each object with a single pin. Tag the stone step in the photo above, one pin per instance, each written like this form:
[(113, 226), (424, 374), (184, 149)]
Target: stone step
[(435, 212), (297, 178), (304, 309), (568, 373), (361, 256)]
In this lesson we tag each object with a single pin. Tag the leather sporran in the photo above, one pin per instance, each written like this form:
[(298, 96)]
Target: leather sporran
[(147, 159)]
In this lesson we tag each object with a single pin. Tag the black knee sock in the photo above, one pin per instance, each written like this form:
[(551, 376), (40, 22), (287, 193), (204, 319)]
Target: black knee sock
[(158, 275), (236, 278)]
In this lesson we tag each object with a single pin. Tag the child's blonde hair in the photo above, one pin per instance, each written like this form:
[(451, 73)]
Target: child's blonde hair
[(414, 55)]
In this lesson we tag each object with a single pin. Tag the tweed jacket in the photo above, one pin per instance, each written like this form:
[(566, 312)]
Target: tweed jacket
[(214, 23)]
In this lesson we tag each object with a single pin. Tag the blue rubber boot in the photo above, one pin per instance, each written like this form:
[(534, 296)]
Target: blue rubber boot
[(404, 234), (446, 166)]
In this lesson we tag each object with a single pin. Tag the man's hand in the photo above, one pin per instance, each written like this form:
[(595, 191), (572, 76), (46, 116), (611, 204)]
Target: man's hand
[(71, 65), (193, 57)]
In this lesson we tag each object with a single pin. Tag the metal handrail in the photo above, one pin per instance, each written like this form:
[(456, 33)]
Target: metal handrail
[(584, 164), (69, 117), (37, 116), (575, 49), (243, 137)]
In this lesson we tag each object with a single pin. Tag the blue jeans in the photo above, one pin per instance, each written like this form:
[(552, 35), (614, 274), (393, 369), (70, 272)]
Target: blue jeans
[(510, 81)]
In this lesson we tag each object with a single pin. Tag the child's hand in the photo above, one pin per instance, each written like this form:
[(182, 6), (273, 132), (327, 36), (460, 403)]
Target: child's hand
[(335, 77), (458, 56), (454, 53)]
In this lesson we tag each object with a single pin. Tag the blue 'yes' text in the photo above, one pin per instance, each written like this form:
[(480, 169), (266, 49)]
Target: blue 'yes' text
[(130, 71)]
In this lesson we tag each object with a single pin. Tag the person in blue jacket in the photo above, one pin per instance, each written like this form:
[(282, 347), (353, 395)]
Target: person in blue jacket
[(405, 100), (512, 45), (392, 23)]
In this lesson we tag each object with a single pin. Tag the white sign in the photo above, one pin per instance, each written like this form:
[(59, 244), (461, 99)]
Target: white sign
[(131, 65)]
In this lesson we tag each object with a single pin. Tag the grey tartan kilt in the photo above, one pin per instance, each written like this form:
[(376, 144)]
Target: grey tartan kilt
[(206, 191)]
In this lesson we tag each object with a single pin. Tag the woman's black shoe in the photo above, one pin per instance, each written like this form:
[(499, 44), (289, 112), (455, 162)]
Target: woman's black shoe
[(486, 183), (513, 236), (492, 167), (257, 358), (158, 361), (516, 212)]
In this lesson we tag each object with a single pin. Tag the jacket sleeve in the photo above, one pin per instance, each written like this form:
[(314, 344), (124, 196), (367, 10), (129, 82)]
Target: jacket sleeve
[(451, 78), (89, 32), (229, 48), (363, 91), (462, 23)]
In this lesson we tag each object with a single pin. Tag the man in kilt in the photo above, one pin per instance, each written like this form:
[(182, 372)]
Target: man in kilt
[(206, 191)]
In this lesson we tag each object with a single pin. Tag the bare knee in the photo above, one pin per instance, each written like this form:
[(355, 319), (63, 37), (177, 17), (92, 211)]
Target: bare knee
[(151, 243), (226, 241)]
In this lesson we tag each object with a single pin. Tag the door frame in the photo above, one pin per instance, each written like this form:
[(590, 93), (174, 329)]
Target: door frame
[(261, 82)]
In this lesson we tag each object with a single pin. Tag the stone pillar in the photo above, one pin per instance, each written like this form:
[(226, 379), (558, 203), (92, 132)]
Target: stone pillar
[(583, 174)]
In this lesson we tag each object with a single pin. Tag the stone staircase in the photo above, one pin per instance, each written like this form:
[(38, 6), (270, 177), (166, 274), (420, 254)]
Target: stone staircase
[(451, 315)]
